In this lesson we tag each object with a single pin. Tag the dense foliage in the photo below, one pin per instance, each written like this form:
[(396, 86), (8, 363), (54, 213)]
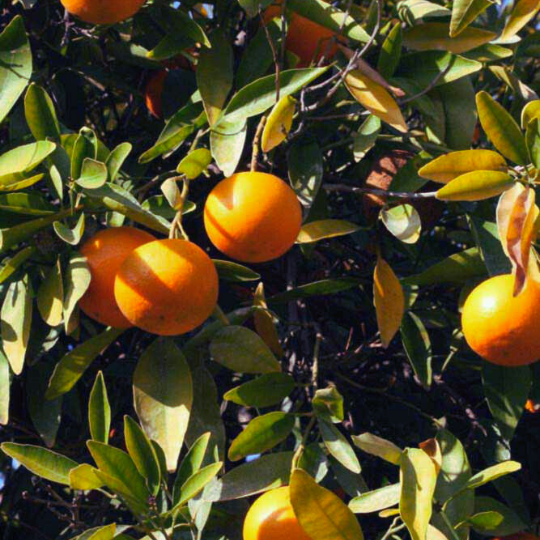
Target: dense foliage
[(410, 135)]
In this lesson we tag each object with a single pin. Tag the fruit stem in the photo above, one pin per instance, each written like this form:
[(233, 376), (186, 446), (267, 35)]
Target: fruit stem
[(256, 141)]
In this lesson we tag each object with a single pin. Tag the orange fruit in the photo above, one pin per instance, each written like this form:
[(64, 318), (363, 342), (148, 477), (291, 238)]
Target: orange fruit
[(252, 217), (501, 328), (154, 92), (104, 253), (532, 406), (271, 517), (519, 536), (167, 287), (103, 11), (305, 38)]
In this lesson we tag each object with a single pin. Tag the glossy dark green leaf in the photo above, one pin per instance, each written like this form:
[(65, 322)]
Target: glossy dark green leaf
[(270, 389), (318, 288), (418, 347), (510, 524), (261, 435), (31, 204), (40, 114), (366, 137), (305, 164), (231, 271), (72, 366), (76, 282), (242, 350), (15, 64), (99, 411), (390, 52), (339, 446), (143, 454), (116, 159)]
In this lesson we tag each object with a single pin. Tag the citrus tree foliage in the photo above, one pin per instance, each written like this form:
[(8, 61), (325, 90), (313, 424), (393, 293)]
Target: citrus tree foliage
[(411, 138)]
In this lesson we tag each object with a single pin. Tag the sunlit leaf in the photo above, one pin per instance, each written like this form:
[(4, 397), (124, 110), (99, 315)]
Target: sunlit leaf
[(475, 186), (378, 447), (315, 231), (403, 221), (278, 123), (376, 500), (523, 12)]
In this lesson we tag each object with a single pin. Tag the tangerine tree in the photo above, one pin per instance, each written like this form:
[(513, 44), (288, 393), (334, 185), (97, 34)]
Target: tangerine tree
[(269, 269)]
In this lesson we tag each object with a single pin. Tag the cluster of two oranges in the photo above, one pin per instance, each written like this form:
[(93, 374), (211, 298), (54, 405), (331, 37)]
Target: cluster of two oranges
[(169, 287)]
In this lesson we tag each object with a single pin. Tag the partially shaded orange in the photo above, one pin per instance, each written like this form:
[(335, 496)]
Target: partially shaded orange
[(103, 11), (501, 328), (104, 253), (271, 517), (253, 217), (167, 287)]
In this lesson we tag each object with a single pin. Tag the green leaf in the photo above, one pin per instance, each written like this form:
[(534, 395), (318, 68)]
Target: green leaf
[(492, 473), (316, 231), (177, 129), (231, 271), (143, 454), (10, 265), (99, 411), (215, 75), (4, 389), (40, 114), (17, 165), (259, 96), (476, 186), (464, 12), (50, 296), (376, 500), (242, 350), (41, 461), (489, 243), (457, 268), (327, 403), (265, 473), (511, 522), (191, 464), (418, 478), (318, 288), (99, 533), (501, 129), (118, 472), (227, 143), (196, 483), (390, 52), (31, 204), (532, 138), (72, 366), (76, 282), (195, 163), (70, 236), (338, 446), (330, 17), (366, 137), (116, 159), (93, 174), (84, 148), (321, 513), (522, 12), (305, 163), (403, 221), (418, 347), (261, 434), (84, 477), (118, 199), (378, 447), (506, 390), (486, 521), (425, 67), (163, 395), (45, 414), (270, 389), (15, 64), (16, 319)]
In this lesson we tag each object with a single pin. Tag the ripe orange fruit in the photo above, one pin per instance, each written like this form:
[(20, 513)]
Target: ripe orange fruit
[(167, 287), (519, 536), (103, 11), (305, 38), (272, 518), (501, 328), (252, 217), (104, 253), (154, 92), (532, 406)]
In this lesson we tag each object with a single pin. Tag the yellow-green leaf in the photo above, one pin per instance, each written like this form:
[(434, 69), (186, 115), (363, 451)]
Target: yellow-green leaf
[(523, 12), (278, 124), (529, 112), (501, 129), (84, 478), (403, 221), (418, 477), (16, 318), (50, 297), (445, 168), (492, 473), (475, 186), (375, 99), (324, 229), (378, 447), (376, 500), (436, 36), (321, 513), (389, 301), (264, 322), (464, 12)]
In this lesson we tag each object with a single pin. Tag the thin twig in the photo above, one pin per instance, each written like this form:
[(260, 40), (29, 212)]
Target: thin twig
[(373, 191)]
